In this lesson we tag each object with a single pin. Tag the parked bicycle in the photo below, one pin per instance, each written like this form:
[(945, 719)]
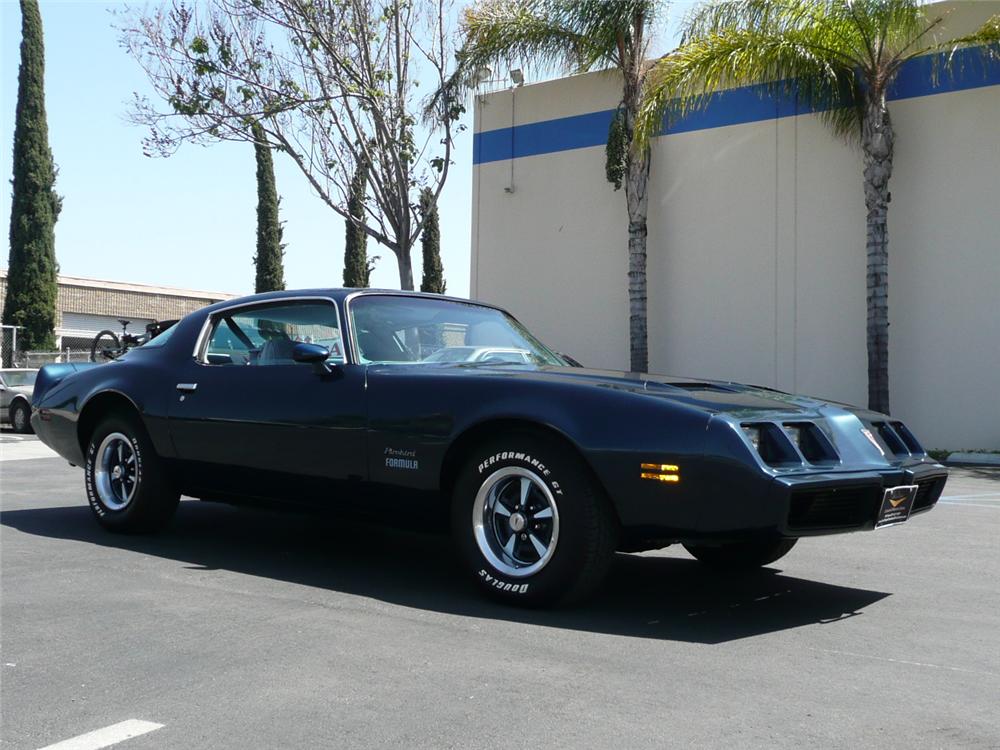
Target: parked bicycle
[(108, 346)]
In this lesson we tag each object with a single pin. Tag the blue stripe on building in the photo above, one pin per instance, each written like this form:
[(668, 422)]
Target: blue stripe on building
[(970, 69)]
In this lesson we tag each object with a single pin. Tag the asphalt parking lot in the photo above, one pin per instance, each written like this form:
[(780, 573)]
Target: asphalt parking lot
[(240, 628)]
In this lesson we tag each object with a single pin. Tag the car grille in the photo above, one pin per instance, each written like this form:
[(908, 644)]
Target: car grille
[(831, 508), (928, 492)]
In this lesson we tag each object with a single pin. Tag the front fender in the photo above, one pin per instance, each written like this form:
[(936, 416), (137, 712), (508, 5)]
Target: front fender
[(418, 414)]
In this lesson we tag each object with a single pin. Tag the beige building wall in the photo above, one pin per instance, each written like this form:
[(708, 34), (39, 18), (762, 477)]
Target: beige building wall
[(137, 300), (756, 264), (111, 300)]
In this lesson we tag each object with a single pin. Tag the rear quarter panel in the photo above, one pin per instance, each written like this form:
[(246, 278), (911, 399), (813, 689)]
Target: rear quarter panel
[(144, 377)]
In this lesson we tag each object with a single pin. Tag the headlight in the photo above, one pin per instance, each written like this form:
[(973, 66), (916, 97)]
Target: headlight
[(814, 446), (753, 433), (771, 443), (795, 432)]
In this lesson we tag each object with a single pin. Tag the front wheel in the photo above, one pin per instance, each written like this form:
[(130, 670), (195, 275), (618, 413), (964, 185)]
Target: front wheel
[(105, 347), (531, 524), (20, 417), (741, 555), (127, 486)]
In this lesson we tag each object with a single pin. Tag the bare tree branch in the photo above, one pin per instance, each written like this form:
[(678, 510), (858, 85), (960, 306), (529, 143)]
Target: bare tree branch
[(331, 82)]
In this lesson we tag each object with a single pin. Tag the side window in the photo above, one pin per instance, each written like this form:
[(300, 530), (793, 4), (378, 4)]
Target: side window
[(266, 335)]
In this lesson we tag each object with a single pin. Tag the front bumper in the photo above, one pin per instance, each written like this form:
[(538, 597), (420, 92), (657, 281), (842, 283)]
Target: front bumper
[(818, 504)]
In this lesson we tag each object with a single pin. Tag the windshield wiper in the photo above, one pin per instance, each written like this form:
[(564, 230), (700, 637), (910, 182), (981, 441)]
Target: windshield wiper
[(497, 363)]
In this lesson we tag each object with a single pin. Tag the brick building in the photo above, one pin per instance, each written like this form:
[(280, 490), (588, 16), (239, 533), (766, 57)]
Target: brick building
[(86, 306)]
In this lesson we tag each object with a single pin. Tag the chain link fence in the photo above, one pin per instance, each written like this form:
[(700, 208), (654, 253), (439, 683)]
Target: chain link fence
[(77, 350), (8, 345), (37, 359)]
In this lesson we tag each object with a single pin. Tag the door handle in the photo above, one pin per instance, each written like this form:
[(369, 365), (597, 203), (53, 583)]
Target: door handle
[(187, 387)]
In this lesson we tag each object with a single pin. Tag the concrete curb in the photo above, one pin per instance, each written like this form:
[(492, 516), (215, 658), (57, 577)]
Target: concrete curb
[(974, 459)]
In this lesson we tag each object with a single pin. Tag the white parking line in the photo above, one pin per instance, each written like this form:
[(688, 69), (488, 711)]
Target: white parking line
[(971, 505), (968, 497), (123, 730), (902, 661)]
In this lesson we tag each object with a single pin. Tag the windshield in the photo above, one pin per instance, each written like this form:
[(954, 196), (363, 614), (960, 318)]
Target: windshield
[(418, 330), (24, 377)]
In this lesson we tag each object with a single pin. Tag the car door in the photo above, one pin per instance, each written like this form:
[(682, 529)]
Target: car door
[(247, 419)]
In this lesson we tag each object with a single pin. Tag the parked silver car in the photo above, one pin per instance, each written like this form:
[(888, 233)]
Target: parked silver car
[(16, 386)]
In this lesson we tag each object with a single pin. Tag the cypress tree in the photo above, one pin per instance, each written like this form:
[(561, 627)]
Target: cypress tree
[(270, 252), (430, 242), (357, 266), (31, 268)]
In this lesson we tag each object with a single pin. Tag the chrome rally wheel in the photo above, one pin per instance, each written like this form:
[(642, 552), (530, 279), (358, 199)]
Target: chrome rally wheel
[(128, 486), (116, 474), (515, 521), (532, 526)]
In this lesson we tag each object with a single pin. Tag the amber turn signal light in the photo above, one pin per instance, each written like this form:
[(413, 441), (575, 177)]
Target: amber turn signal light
[(660, 472)]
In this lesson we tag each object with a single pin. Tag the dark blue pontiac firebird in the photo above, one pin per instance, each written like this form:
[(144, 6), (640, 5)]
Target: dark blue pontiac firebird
[(425, 406)]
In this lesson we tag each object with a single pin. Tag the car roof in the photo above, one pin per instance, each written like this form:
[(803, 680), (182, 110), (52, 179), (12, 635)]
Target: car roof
[(340, 295)]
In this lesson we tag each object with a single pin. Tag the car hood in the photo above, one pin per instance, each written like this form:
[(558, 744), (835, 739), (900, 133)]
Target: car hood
[(740, 400)]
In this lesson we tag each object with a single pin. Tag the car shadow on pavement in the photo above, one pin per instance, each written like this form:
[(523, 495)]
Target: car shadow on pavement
[(645, 596)]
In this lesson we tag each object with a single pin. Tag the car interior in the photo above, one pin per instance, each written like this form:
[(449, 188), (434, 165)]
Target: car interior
[(267, 336), (398, 329)]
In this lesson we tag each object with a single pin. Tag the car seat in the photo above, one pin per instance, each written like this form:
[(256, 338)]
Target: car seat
[(276, 351)]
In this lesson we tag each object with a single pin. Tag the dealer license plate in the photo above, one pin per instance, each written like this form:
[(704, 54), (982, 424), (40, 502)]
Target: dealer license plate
[(897, 502)]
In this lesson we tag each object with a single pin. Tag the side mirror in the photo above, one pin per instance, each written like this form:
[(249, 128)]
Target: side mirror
[(312, 354)]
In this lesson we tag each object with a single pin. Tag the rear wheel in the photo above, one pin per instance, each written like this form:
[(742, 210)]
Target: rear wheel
[(105, 347), (20, 417), (741, 555), (530, 523), (127, 487)]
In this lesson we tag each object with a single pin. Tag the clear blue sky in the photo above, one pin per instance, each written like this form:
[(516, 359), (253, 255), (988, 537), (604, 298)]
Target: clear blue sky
[(188, 220)]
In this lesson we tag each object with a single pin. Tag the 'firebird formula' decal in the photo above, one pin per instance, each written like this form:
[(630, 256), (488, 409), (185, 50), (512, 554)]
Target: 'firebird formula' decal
[(396, 458)]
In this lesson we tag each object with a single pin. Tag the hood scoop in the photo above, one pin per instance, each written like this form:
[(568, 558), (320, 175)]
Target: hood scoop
[(715, 387)]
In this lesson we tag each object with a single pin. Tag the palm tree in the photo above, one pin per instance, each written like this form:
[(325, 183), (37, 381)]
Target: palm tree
[(838, 57), (579, 35)]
